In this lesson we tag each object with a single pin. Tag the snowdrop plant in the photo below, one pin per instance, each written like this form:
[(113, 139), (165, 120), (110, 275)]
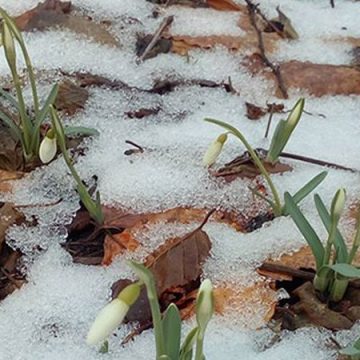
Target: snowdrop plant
[(92, 206), (167, 327), (279, 140), (27, 131), (334, 266)]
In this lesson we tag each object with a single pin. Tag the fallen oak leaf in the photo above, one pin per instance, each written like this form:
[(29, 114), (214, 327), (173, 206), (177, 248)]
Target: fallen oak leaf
[(57, 13), (176, 264), (70, 97), (225, 5)]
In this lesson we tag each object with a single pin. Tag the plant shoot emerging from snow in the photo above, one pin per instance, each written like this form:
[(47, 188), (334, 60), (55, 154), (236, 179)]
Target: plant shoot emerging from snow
[(93, 207), (167, 327), (333, 261), (279, 140)]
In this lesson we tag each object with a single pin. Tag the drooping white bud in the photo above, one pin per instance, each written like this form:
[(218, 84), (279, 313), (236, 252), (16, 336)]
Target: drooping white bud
[(113, 314), (214, 150), (48, 147)]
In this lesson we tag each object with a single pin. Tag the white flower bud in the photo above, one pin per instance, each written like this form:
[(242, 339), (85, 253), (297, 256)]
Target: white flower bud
[(108, 319), (9, 46), (214, 150), (113, 314), (295, 114), (338, 203), (204, 304), (48, 147)]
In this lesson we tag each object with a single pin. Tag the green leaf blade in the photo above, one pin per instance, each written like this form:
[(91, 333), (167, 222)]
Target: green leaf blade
[(346, 270), (306, 230), (172, 331), (341, 249)]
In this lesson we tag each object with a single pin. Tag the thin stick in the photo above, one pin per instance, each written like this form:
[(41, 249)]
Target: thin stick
[(285, 270), (332, 3), (141, 149), (253, 9), (166, 22), (269, 121), (316, 161)]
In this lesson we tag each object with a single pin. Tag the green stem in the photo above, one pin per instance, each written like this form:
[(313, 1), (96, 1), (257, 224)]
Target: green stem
[(259, 164), (338, 288), (329, 243), (26, 126), (321, 283), (277, 208), (156, 317), (353, 252), (199, 354)]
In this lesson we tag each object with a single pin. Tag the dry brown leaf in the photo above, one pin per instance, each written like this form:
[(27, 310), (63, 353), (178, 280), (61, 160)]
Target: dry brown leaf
[(225, 5), (8, 217), (7, 178), (56, 13), (317, 79), (176, 266), (70, 97)]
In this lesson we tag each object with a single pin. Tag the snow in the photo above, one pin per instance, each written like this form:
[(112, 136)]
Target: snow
[(48, 318)]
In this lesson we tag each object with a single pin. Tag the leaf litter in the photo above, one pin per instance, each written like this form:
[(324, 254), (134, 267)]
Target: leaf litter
[(66, 295)]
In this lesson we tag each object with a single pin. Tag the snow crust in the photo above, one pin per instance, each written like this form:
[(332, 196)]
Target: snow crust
[(49, 317)]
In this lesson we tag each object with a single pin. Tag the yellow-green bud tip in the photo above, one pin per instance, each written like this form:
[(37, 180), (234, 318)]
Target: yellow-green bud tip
[(130, 294)]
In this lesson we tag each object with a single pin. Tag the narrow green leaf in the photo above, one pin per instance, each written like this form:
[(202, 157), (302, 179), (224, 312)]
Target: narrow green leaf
[(306, 230), (9, 98), (172, 331), (44, 111), (341, 249), (187, 346), (346, 270), (79, 130), (15, 130), (350, 351), (277, 142), (309, 187)]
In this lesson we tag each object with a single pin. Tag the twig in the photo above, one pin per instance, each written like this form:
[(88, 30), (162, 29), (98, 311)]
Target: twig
[(253, 9), (166, 22), (332, 3), (285, 270), (269, 121), (262, 153), (141, 149), (316, 161)]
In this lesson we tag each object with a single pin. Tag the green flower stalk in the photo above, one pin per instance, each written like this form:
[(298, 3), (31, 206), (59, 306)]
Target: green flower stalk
[(278, 208), (93, 207)]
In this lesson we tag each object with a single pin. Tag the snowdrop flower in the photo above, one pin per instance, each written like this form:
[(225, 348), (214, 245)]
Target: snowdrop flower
[(204, 304), (112, 315), (48, 147), (214, 150)]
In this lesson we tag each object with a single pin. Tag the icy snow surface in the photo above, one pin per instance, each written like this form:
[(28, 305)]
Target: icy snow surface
[(49, 317)]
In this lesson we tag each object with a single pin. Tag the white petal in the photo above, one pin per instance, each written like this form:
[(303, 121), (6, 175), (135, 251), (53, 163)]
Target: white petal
[(47, 150), (108, 319)]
